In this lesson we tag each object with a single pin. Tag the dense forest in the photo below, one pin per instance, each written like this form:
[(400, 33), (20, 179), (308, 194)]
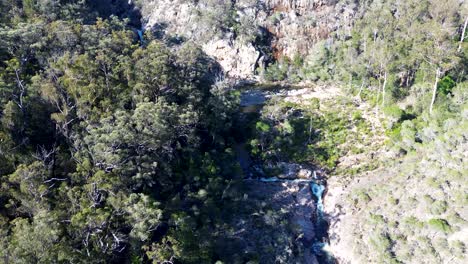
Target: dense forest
[(119, 147), (110, 151)]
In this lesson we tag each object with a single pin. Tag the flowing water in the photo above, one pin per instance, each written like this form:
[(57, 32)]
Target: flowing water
[(141, 36), (253, 101), (321, 226)]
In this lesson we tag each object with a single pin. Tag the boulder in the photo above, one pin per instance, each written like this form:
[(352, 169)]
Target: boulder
[(288, 170), (237, 59), (304, 174)]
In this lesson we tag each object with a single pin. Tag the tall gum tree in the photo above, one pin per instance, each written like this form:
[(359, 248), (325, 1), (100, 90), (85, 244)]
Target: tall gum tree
[(381, 25), (439, 50), (464, 15)]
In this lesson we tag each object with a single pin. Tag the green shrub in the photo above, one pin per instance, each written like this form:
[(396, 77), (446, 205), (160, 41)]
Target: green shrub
[(413, 222), (458, 248), (314, 104), (262, 126), (393, 114), (407, 135), (357, 115), (392, 200), (394, 134), (440, 225), (377, 219), (276, 72), (439, 207), (362, 196), (433, 182), (428, 199), (446, 85), (298, 61), (455, 218), (381, 243)]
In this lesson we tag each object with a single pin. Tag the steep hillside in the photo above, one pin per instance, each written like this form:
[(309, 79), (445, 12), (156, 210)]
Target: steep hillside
[(247, 35), (412, 210)]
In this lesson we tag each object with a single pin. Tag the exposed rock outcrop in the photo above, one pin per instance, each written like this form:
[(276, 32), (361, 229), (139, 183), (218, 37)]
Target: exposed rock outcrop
[(282, 222), (246, 34), (237, 60)]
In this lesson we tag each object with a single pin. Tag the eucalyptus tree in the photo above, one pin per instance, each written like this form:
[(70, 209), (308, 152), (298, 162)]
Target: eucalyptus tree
[(438, 49)]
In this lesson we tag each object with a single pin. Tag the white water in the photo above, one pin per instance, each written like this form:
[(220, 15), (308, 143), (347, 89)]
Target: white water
[(319, 246), (274, 179), (254, 98), (317, 191)]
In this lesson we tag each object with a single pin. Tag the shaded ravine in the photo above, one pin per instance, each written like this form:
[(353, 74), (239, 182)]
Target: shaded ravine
[(252, 101), (317, 188)]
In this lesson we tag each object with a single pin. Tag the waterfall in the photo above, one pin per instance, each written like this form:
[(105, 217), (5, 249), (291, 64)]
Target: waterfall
[(141, 36), (317, 187), (317, 191), (321, 225)]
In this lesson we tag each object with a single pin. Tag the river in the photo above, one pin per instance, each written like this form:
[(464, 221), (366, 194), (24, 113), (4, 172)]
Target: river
[(252, 101)]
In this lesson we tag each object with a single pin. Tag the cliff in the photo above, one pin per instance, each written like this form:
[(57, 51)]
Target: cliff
[(246, 35)]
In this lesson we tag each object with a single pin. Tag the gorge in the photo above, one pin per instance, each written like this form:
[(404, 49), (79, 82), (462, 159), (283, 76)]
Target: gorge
[(233, 132), (314, 224)]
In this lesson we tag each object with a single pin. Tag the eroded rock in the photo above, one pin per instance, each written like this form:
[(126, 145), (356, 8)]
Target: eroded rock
[(244, 34), (237, 59), (277, 222)]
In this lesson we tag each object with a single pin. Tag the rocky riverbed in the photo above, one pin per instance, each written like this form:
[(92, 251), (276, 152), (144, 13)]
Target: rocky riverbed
[(283, 224), (288, 206)]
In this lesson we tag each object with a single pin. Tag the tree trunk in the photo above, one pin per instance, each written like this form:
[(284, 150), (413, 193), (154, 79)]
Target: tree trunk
[(434, 91), (360, 90), (383, 89), (463, 35)]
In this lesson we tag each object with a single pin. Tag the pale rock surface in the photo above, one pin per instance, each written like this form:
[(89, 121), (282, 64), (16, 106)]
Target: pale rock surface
[(294, 28), (292, 202), (236, 59), (304, 174)]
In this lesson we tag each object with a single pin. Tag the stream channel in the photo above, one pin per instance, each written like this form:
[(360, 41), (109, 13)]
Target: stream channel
[(251, 104), (252, 101)]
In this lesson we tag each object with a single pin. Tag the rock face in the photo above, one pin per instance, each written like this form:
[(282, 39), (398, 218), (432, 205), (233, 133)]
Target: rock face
[(277, 224), (237, 60), (244, 35)]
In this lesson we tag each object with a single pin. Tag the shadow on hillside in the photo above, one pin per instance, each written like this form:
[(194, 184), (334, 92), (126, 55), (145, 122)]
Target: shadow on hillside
[(123, 9), (260, 214)]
